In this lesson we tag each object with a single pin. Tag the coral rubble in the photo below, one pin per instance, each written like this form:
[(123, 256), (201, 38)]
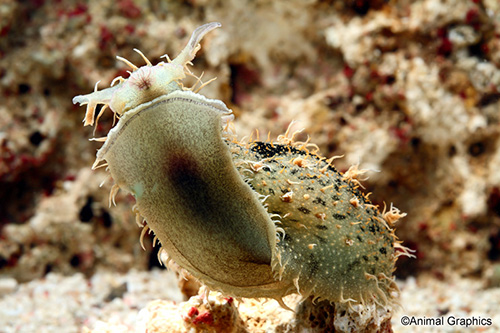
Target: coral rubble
[(408, 88)]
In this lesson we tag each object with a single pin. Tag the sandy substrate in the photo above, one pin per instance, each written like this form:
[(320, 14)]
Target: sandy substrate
[(111, 302)]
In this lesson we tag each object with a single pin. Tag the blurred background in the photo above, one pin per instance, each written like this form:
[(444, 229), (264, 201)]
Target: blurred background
[(408, 89)]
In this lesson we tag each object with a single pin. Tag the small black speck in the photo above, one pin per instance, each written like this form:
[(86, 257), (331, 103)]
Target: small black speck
[(24, 88), (309, 188), (376, 258), (48, 268), (36, 138), (321, 227), (107, 221), (383, 250), (75, 261), (452, 151), (359, 238), (116, 292), (86, 213), (365, 258), (3, 262), (476, 149), (338, 216)]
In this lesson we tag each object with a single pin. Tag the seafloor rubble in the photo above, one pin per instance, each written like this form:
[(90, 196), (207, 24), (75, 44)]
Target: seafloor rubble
[(409, 89)]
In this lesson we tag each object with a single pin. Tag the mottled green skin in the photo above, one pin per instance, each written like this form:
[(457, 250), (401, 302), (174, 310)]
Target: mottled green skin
[(329, 243)]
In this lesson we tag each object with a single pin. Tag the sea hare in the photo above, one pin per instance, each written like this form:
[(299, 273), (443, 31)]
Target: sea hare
[(249, 219)]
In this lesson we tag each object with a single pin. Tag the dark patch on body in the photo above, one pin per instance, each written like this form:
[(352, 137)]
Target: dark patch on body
[(352, 265), (198, 197), (304, 210), (312, 265), (338, 216), (321, 227), (269, 150), (321, 239), (323, 182), (320, 201)]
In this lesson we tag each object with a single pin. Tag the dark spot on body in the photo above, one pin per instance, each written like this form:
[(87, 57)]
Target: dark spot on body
[(269, 150), (321, 227), (359, 238), (287, 238), (365, 258), (352, 265), (376, 258), (310, 188), (338, 216), (383, 250), (320, 201), (209, 204), (312, 265), (322, 182), (321, 239), (304, 210)]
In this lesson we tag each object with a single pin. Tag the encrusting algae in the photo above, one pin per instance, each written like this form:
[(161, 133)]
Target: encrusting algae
[(248, 218)]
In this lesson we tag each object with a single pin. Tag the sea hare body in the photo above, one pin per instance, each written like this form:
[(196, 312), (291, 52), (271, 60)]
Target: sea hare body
[(182, 177), (251, 219)]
